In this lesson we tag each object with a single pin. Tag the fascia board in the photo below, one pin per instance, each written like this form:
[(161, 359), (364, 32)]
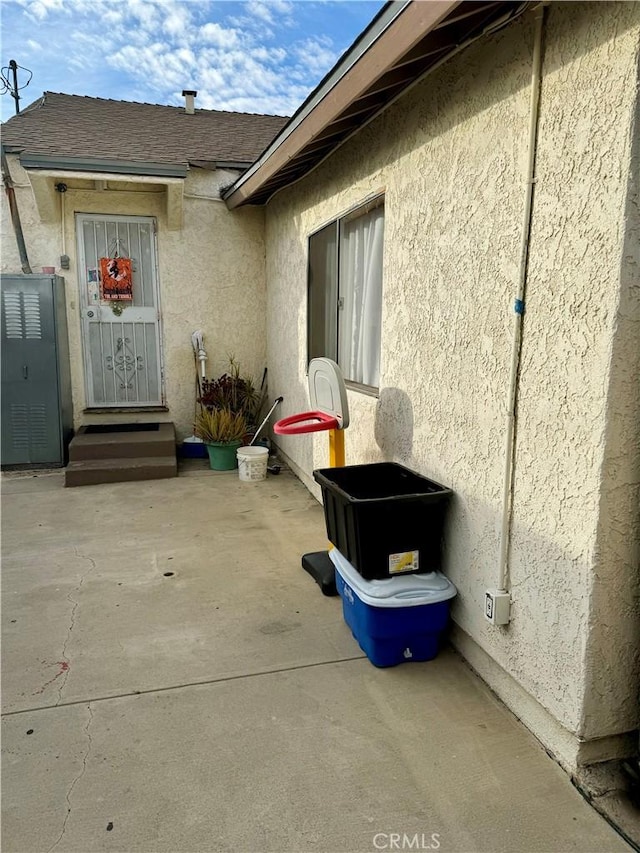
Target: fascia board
[(370, 57), (88, 164)]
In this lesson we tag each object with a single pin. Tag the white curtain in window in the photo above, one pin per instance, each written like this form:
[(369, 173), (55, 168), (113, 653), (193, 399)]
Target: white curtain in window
[(361, 241)]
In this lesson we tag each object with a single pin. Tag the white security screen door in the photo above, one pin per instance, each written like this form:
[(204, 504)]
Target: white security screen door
[(121, 339)]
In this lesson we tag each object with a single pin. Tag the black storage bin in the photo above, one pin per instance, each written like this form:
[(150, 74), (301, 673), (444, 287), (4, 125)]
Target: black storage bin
[(385, 519)]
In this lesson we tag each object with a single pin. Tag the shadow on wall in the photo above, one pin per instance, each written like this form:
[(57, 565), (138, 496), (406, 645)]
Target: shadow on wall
[(613, 653), (393, 426)]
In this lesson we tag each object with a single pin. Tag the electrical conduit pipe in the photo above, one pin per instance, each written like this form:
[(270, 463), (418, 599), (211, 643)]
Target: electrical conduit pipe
[(15, 215), (516, 347)]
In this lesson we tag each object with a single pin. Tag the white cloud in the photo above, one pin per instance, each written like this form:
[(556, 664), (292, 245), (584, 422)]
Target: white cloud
[(152, 49), (232, 69), (147, 14), (261, 10), (176, 23), (317, 54), (36, 11), (112, 17), (213, 33), (282, 7), (80, 63), (271, 55)]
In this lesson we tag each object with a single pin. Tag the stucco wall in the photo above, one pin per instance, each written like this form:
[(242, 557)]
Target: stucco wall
[(578, 375), (450, 156), (211, 274), (613, 647)]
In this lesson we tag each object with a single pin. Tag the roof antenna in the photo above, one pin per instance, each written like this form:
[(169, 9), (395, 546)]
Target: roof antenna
[(11, 86), (189, 95)]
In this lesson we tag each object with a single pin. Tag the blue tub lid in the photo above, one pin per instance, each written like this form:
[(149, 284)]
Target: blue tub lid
[(401, 591)]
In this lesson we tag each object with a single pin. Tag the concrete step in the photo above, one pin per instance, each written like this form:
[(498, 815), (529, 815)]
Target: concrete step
[(91, 472), (87, 444)]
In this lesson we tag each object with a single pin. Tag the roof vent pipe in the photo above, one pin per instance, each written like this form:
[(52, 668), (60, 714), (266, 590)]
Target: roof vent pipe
[(189, 96)]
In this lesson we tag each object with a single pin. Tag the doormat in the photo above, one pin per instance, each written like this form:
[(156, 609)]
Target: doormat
[(102, 428)]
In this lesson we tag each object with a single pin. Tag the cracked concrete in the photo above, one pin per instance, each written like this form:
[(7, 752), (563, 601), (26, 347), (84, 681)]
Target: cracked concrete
[(215, 701), (75, 782), (72, 619)]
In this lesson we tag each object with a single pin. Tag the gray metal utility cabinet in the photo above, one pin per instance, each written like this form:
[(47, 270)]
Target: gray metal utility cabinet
[(37, 414)]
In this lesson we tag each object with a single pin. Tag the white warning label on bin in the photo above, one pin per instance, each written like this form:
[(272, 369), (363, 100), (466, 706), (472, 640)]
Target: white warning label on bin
[(407, 561)]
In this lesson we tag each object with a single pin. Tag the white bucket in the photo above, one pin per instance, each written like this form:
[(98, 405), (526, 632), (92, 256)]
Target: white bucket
[(252, 463)]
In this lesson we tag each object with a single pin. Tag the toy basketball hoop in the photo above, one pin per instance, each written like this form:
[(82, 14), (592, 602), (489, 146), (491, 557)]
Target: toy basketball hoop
[(330, 412)]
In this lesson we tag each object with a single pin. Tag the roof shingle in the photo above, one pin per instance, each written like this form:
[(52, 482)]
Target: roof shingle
[(97, 128)]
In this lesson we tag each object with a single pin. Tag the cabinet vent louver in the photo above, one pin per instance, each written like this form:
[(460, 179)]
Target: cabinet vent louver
[(38, 426), (32, 324), (22, 315), (29, 426), (20, 427), (12, 314)]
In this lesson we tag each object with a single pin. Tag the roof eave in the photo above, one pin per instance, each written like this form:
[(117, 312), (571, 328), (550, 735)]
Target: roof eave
[(45, 184), (236, 165), (400, 25), (99, 164)]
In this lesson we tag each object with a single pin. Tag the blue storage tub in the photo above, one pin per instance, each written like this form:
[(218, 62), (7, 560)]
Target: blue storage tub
[(193, 448), (397, 619)]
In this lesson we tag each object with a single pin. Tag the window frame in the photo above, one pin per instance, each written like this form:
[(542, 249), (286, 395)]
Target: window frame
[(360, 209)]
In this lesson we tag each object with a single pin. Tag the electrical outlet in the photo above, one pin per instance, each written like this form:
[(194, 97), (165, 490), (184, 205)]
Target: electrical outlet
[(497, 604)]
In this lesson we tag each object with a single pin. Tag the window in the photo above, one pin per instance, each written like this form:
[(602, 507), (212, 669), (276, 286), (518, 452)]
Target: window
[(345, 293)]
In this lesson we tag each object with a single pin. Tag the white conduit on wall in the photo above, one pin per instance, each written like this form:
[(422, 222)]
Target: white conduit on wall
[(507, 489), (62, 235)]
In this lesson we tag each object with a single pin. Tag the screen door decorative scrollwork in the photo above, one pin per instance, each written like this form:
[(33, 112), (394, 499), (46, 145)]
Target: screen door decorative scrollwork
[(121, 339)]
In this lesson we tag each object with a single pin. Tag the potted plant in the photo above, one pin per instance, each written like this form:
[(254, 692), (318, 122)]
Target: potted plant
[(237, 393), (222, 431)]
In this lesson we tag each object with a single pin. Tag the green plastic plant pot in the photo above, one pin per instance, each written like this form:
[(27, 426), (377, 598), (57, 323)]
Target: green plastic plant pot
[(222, 455)]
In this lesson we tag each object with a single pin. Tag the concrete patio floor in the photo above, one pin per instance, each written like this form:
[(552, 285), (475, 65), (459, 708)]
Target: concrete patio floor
[(173, 681)]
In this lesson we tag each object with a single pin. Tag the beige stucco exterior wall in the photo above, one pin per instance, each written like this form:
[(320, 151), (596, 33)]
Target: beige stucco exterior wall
[(211, 275), (579, 389), (450, 156), (613, 647)]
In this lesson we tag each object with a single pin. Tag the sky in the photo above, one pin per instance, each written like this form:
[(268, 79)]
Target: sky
[(257, 56)]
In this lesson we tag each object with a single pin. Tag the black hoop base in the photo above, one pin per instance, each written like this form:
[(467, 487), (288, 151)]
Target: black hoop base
[(321, 569)]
